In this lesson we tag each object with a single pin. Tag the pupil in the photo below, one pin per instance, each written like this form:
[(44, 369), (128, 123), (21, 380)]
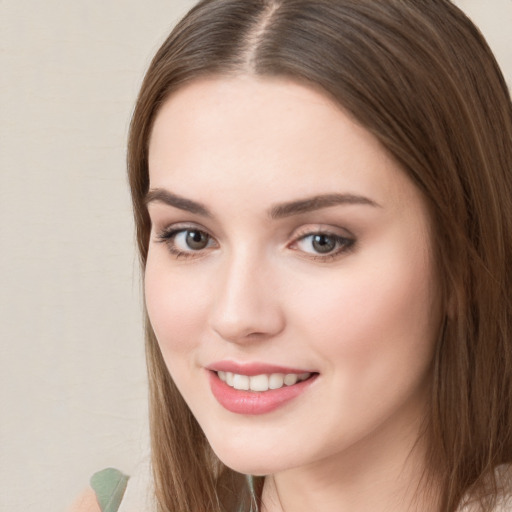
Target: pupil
[(196, 240), (323, 243)]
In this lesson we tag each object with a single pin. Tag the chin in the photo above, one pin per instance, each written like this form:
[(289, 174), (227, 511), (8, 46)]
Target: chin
[(255, 457), (257, 466)]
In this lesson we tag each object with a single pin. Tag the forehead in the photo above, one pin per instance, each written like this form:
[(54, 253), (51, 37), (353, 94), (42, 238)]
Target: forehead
[(268, 135)]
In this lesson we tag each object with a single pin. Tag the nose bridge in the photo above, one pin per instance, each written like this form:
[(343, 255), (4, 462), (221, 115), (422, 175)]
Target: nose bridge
[(245, 302)]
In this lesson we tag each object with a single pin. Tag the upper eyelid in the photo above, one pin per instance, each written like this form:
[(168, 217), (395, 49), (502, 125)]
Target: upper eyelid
[(181, 226), (306, 230)]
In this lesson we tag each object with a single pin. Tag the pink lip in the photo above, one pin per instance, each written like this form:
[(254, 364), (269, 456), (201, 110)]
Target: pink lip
[(251, 369), (252, 402)]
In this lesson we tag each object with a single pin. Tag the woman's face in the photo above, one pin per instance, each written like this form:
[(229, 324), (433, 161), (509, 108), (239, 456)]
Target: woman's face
[(290, 255)]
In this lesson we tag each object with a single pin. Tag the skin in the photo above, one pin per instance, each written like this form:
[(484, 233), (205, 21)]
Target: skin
[(86, 502), (364, 316)]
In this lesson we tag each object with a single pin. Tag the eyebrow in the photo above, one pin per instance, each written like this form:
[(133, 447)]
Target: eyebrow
[(277, 211), (280, 211), (159, 195)]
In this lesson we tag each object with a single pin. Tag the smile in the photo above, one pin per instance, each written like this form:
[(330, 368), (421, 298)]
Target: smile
[(263, 382), (260, 392)]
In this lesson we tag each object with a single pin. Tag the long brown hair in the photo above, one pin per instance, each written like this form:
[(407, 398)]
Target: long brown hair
[(420, 77)]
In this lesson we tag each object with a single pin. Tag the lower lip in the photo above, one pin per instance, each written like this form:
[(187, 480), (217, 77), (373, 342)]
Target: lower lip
[(255, 402)]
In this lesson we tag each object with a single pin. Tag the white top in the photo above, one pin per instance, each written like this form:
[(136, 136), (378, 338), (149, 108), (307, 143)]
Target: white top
[(504, 480)]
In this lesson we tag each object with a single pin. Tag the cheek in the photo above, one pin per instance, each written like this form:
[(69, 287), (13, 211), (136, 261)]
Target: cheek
[(379, 316), (175, 305)]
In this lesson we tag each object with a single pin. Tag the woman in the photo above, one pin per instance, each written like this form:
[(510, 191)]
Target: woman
[(322, 194)]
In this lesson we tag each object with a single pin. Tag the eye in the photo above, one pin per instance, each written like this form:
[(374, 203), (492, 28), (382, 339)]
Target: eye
[(186, 242), (191, 239), (322, 245)]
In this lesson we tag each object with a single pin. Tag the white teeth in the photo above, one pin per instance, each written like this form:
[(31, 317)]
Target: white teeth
[(290, 379), (276, 381), (261, 382), (258, 383), (241, 382)]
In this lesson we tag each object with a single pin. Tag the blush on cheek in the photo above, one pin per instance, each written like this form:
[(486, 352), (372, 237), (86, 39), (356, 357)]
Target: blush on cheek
[(388, 313), (173, 315)]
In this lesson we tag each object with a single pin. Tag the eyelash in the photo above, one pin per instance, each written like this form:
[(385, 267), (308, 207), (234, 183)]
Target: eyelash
[(343, 244), (167, 236)]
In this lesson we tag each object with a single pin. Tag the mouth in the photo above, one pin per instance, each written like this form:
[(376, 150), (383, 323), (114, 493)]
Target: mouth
[(263, 382), (255, 391)]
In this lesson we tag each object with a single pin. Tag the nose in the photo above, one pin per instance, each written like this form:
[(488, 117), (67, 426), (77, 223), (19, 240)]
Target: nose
[(246, 302)]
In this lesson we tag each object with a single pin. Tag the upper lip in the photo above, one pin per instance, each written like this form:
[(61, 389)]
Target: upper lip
[(253, 368)]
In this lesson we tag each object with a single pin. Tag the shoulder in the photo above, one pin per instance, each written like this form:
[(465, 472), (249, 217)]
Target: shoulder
[(86, 502)]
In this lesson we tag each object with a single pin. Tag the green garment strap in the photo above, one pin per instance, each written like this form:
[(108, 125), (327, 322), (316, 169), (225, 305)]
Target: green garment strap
[(109, 486)]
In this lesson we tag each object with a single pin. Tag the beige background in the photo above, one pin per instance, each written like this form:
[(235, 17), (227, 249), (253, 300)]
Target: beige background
[(72, 383)]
